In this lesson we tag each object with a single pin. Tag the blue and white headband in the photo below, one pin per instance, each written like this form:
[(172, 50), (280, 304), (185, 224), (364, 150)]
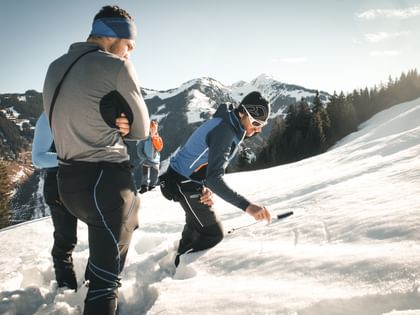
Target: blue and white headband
[(114, 27)]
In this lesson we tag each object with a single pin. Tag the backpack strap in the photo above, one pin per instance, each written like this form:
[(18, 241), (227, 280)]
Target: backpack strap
[(57, 89)]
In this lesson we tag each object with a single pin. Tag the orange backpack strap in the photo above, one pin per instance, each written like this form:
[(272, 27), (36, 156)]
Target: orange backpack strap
[(157, 143)]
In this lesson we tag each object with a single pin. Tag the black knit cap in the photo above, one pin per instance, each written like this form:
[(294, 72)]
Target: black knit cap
[(256, 105)]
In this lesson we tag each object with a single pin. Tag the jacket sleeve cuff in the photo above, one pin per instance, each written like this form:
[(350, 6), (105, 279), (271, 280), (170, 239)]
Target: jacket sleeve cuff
[(243, 203)]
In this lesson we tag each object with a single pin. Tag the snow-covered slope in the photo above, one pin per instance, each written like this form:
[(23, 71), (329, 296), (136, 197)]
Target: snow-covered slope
[(351, 247)]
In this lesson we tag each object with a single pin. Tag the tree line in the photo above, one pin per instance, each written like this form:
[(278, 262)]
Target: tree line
[(309, 129)]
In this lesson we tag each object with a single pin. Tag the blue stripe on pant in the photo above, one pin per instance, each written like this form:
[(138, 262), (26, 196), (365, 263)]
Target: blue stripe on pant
[(102, 195)]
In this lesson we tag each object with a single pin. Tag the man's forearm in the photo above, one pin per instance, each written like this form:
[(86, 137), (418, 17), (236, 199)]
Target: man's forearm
[(220, 188)]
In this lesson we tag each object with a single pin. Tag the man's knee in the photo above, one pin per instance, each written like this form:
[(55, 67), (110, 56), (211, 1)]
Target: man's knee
[(130, 214), (214, 233)]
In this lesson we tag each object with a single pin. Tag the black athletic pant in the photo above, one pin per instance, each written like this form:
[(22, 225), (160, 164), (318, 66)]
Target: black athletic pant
[(102, 195), (202, 229), (65, 232)]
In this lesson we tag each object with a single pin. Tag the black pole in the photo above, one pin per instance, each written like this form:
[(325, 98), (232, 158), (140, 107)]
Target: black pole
[(284, 215), (278, 217)]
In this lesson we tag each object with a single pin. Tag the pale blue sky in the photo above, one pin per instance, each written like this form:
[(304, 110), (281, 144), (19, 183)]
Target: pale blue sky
[(325, 44)]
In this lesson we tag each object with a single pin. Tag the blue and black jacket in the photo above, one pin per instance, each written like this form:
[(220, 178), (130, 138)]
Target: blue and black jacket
[(208, 151)]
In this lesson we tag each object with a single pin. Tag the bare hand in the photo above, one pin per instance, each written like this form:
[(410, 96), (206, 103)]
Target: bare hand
[(258, 212), (123, 125), (207, 197)]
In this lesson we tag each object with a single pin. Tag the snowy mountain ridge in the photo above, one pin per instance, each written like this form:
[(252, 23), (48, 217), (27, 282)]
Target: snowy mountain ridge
[(351, 247), (180, 111), (279, 94)]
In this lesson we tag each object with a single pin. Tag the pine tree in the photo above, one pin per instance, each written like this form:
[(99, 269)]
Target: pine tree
[(322, 122), (304, 116), (297, 125), (342, 115), (318, 106), (315, 138), (350, 116), (271, 153)]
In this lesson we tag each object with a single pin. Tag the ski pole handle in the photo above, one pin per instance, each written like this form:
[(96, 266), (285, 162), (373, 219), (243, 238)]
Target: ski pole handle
[(284, 215)]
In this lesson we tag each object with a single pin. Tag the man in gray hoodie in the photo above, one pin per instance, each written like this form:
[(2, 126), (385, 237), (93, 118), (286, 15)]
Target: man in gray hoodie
[(85, 90)]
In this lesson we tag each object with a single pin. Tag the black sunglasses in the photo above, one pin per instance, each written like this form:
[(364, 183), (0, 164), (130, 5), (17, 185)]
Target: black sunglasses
[(254, 122)]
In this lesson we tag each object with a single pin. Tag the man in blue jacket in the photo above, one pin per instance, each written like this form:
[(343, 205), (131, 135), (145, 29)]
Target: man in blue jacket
[(197, 169)]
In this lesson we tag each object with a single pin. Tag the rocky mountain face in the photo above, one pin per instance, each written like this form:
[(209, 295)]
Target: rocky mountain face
[(18, 115)]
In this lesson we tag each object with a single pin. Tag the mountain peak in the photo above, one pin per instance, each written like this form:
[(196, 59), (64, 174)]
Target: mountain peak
[(264, 79), (238, 84)]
